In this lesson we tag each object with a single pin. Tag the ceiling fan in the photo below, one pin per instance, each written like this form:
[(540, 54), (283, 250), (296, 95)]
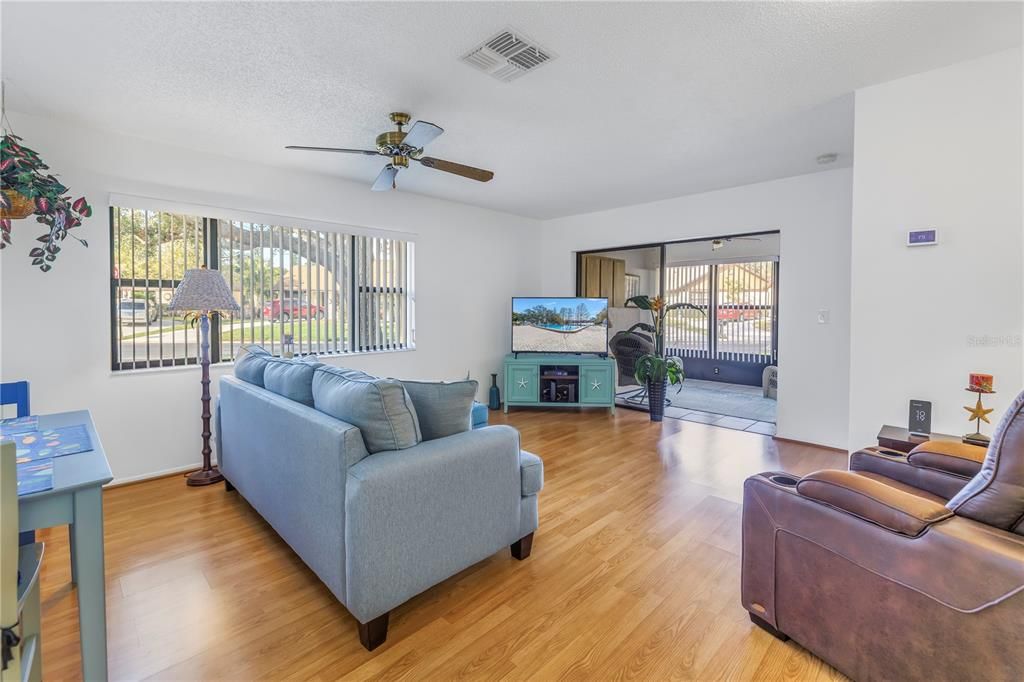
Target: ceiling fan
[(716, 244), (403, 147)]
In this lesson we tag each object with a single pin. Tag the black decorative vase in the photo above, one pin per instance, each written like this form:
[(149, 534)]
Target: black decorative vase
[(494, 400), (656, 399)]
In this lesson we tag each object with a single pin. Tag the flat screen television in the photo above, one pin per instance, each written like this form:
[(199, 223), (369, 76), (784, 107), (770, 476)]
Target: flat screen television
[(560, 325)]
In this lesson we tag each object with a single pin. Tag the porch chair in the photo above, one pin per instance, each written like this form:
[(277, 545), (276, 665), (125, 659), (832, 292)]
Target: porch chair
[(627, 347)]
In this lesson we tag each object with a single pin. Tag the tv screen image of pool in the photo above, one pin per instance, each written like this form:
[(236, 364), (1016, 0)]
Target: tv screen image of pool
[(559, 325)]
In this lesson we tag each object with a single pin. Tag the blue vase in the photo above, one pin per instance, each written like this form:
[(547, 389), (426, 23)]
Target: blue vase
[(494, 402)]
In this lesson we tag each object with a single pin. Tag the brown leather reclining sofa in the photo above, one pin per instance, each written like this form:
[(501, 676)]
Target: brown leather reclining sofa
[(905, 567)]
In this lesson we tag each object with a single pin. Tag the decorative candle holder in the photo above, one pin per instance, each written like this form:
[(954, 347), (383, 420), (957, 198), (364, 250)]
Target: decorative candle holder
[(981, 384)]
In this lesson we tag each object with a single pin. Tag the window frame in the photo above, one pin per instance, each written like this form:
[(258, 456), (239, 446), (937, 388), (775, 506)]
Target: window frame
[(351, 286)]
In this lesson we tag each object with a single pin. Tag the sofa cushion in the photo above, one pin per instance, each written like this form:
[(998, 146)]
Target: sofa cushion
[(443, 408), (479, 415), (292, 379), (381, 408), (531, 473), (250, 363)]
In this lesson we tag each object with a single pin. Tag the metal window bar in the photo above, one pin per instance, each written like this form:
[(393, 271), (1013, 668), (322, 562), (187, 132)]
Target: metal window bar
[(231, 279), (252, 286), (304, 286), (321, 317), (174, 340)]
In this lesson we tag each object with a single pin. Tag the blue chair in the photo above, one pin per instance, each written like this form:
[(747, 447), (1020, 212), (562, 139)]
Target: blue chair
[(16, 393)]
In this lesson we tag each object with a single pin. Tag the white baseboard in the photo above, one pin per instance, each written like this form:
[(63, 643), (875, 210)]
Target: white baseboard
[(155, 474)]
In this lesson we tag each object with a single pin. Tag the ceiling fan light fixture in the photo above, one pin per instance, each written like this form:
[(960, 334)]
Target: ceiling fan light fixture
[(401, 146)]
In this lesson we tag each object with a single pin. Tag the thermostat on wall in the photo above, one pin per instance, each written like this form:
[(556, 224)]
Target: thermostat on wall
[(922, 237)]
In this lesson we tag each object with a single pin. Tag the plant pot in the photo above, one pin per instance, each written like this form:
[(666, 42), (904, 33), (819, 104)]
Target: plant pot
[(21, 206), (656, 399)]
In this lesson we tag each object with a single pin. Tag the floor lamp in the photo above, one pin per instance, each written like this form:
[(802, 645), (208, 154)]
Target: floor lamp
[(203, 293)]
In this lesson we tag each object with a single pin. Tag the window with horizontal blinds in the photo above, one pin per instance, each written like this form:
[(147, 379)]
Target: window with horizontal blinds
[(299, 290)]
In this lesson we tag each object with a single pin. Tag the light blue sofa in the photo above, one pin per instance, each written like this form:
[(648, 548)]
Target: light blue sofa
[(376, 528)]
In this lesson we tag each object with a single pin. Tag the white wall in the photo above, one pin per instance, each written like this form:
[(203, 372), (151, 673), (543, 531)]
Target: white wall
[(56, 327), (813, 214), (938, 149)]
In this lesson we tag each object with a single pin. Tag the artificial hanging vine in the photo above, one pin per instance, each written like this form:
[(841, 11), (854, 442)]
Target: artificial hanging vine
[(27, 189)]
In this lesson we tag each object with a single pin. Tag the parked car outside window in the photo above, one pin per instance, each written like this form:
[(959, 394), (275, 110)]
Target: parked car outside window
[(289, 308), (137, 311)]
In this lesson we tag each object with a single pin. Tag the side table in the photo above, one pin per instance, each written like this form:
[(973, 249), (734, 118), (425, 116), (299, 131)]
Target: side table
[(899, 439)]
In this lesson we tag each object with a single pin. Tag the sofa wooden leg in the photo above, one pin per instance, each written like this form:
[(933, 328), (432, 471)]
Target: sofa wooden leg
[(521, 547), (373, 634), (227, 485), (766, 626)]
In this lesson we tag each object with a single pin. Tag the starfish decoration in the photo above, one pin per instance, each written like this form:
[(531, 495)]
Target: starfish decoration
[(595, 385), (524, 382), (979, 412)]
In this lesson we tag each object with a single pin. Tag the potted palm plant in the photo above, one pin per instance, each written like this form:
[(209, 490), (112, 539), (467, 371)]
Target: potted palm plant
[(655, 370)]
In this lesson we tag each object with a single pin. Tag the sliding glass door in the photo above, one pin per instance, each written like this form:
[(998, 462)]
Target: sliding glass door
[(733, 335)]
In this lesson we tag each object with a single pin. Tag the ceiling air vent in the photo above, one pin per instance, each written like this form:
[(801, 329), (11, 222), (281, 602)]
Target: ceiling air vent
[(508, 55)]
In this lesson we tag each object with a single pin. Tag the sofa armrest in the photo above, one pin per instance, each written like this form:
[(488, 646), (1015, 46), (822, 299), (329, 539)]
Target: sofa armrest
[(873, 501), (414, 517), (952, 457), (531, 469), (897, 466)]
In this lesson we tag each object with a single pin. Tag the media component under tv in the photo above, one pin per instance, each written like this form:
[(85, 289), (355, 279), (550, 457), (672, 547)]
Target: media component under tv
[(560, 325)]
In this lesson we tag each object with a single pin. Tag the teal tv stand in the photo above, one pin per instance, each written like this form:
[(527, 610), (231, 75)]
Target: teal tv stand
[(559, 380)]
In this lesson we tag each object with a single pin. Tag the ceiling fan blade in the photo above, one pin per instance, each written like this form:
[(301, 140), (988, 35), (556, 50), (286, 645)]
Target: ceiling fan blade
[(478, 174), (421, 134), (367, 152), (385, 179)]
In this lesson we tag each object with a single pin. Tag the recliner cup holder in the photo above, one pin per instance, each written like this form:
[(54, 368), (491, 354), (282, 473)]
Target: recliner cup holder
[(783, 479)]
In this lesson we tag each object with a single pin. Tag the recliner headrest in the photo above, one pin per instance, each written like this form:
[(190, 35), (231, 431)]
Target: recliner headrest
[(995, 496)]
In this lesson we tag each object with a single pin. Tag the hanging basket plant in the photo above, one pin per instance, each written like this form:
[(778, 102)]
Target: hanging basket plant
[(27, 189)]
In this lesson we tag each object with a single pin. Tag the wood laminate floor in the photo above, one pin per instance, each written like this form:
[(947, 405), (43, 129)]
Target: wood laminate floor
[(634, 575)]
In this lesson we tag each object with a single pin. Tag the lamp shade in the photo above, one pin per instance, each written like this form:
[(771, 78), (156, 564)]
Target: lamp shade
[(203, 289)]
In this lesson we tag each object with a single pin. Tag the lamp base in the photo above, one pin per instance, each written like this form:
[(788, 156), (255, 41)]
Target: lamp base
[(205, 477)]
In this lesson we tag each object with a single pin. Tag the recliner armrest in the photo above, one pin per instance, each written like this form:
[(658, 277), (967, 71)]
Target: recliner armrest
[(959, 459), (896, 466), (873, 501)]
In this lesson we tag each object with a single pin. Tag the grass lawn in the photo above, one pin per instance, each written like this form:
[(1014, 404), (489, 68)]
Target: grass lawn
[(266, 331)]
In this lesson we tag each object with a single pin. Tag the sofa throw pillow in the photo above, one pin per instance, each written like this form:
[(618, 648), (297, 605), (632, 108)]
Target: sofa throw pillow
[(292, 379), (444, 408), (380, 408), (250, 363)]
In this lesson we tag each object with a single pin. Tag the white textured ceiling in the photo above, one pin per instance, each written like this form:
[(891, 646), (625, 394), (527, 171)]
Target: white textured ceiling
[(645, 101)]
